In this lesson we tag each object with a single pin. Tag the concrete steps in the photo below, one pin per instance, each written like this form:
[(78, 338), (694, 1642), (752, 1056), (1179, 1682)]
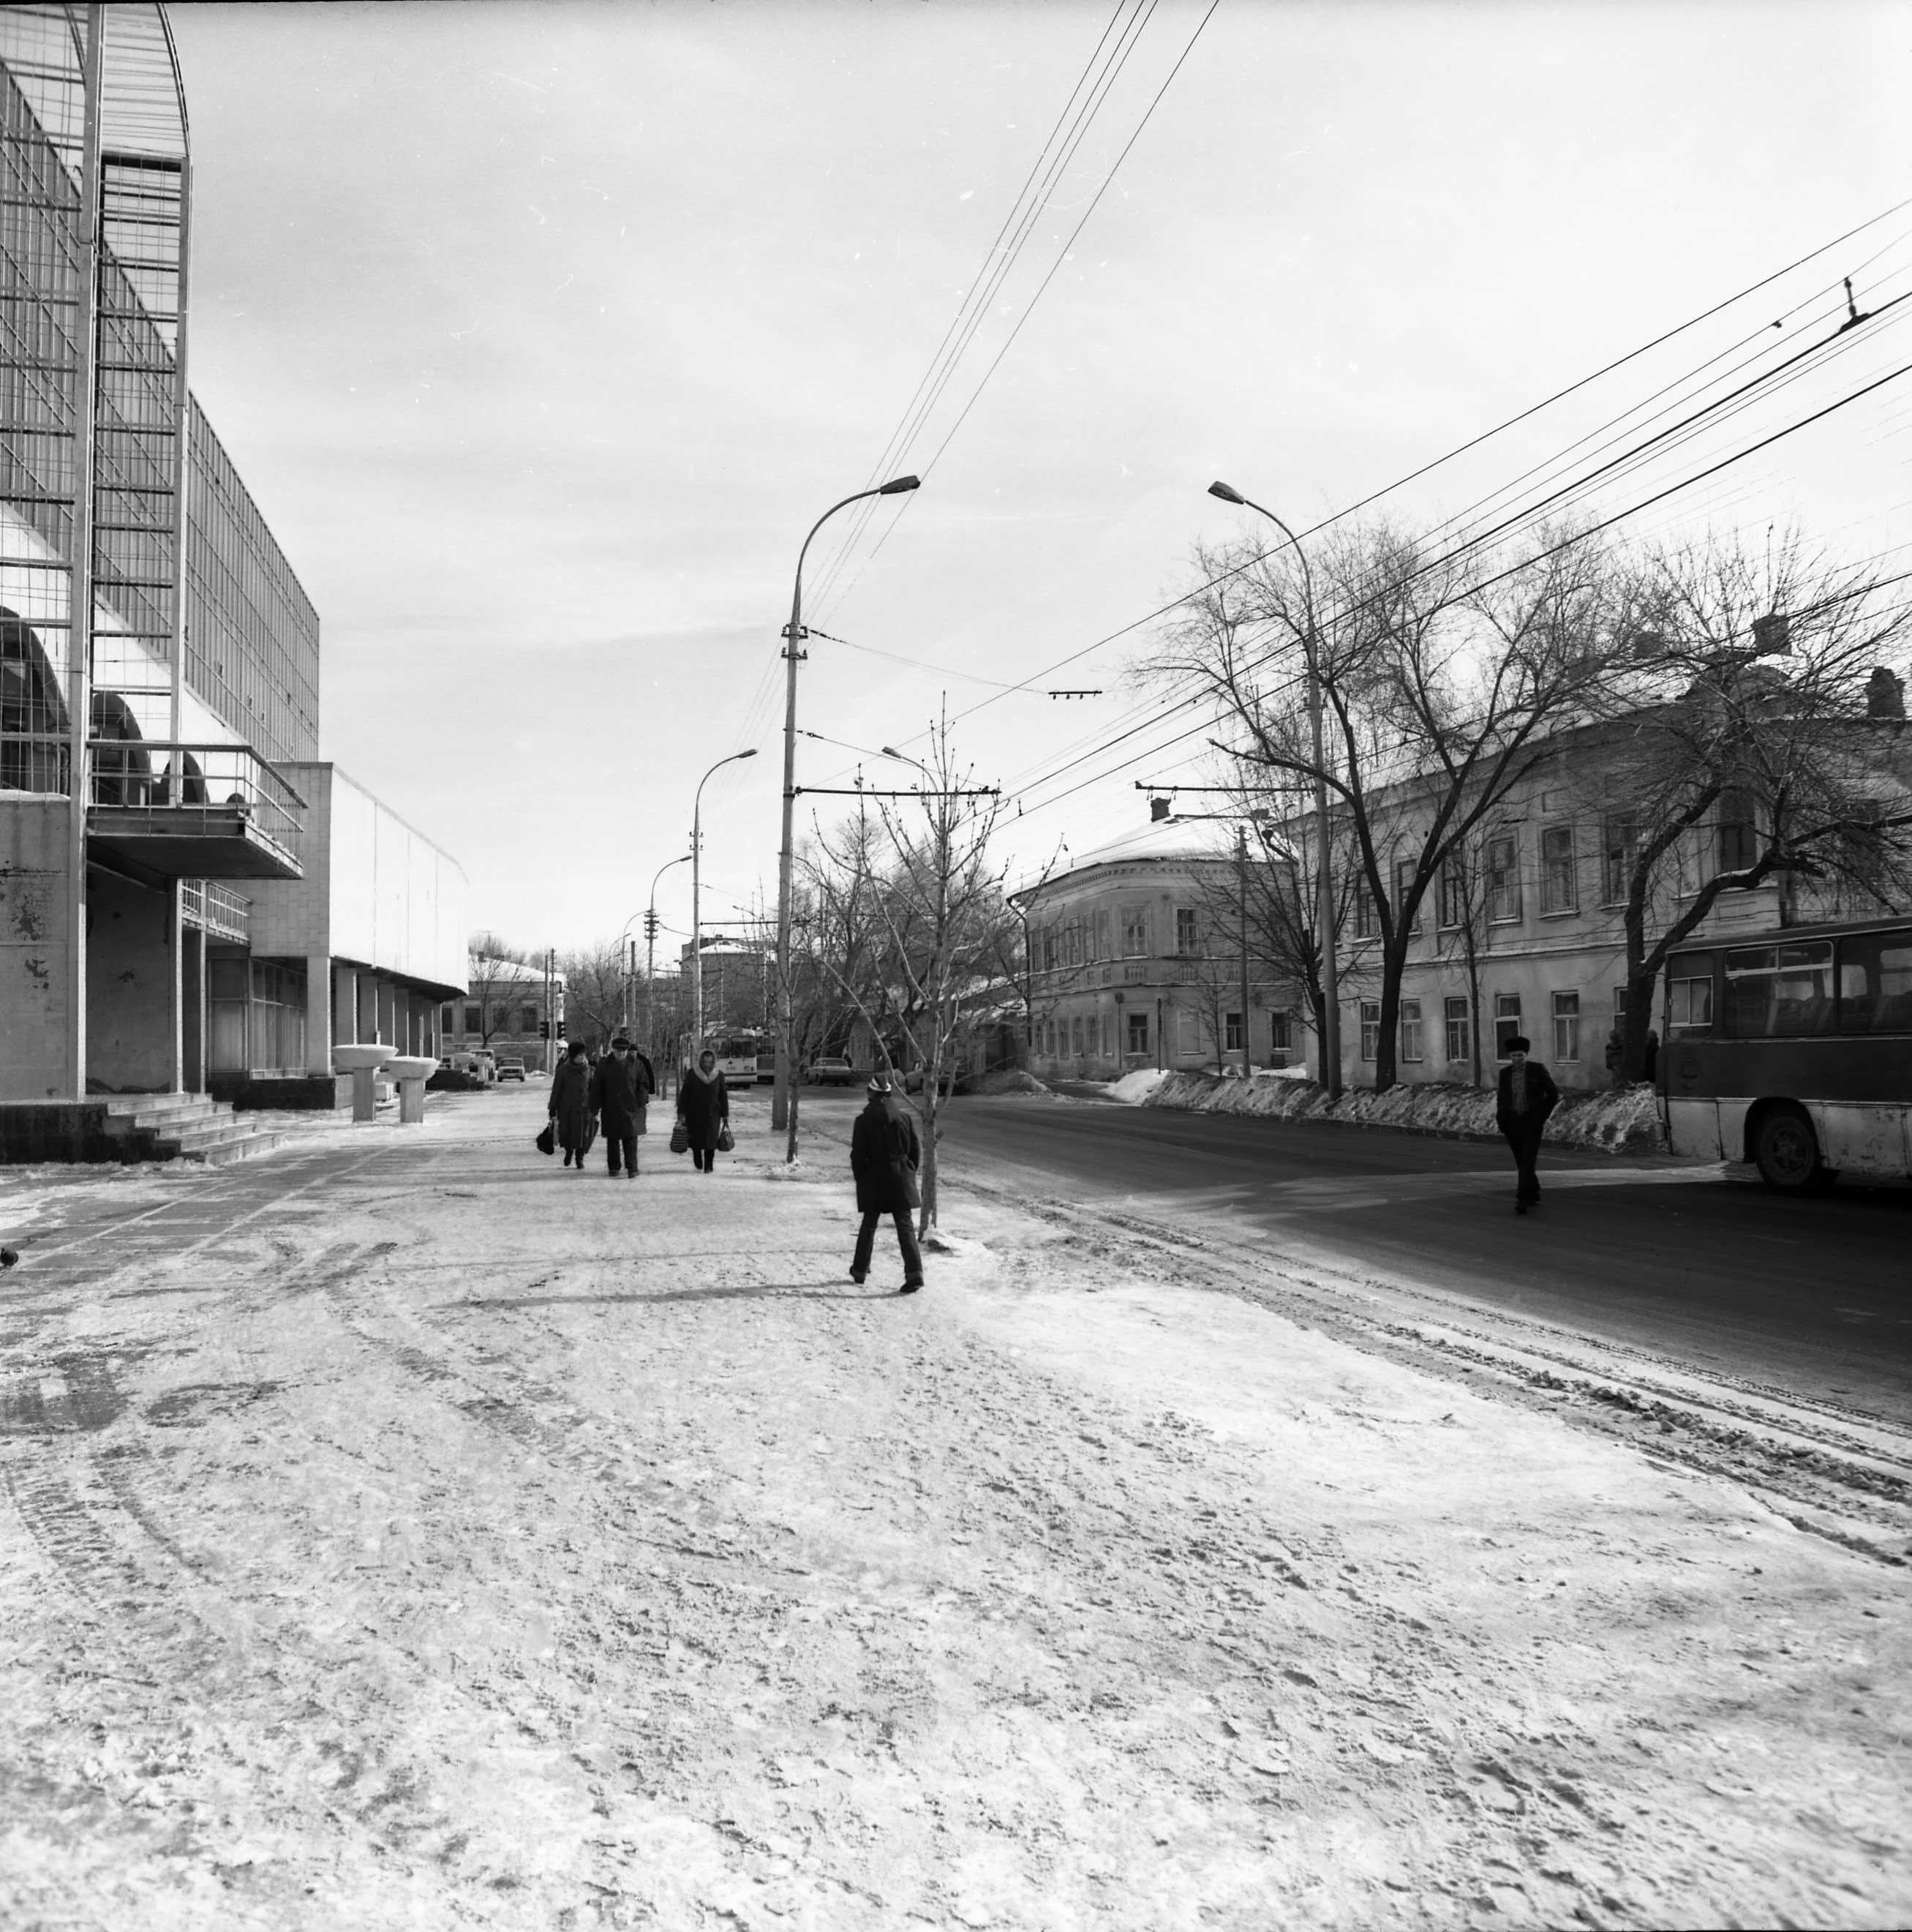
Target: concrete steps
[(184, 1126)]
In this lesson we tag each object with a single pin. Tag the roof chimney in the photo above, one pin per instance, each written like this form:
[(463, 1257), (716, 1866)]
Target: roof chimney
[(1885, 694)]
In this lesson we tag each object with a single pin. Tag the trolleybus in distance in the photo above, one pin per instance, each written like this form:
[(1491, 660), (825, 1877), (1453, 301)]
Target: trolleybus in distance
[(738, 1058), (1793, 1049)]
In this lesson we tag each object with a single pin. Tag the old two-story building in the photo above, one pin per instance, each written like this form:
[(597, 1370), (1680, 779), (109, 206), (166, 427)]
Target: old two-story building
[(1528, 938), (1132, 961), (191, 900)]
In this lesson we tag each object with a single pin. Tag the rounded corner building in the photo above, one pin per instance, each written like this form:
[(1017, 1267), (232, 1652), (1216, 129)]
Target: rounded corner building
[(196, 911)]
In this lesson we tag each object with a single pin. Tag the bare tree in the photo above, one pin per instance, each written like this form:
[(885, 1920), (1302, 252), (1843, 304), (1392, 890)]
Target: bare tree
[(498, 976), (594, 989), (912, 890), (1757, 737), (1438, 686)]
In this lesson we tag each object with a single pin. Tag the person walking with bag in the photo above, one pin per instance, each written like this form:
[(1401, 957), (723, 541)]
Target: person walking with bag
[(570, 1105), (885, 1156), (703, 1105), (1527, 1095), (620, 1093)]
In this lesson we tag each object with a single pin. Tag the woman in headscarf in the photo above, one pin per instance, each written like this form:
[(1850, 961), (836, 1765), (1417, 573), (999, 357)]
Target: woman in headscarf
[(703, 1105), (571, 1105)]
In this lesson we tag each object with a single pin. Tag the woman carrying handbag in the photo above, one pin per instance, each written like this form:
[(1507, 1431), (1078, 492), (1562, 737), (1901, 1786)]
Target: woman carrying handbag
[(703, 1111)]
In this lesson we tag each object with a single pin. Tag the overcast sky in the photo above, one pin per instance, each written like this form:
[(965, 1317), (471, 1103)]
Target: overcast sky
[(542, 333)]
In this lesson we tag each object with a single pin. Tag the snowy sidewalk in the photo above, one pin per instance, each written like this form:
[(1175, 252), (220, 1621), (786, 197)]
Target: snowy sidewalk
[(453, 1539)]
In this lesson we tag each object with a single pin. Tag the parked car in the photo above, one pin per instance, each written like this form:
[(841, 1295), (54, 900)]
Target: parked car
[(511, 1070), (831, 1069), (913, 1082)]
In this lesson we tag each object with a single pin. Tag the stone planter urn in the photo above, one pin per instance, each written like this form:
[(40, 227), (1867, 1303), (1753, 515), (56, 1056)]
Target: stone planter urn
[(411, 1070), (362, 1063)]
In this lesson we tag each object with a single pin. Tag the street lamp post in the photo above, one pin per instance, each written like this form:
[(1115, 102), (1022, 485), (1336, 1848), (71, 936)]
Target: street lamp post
[(1331, 1015), (783, 1111), (696, 860)]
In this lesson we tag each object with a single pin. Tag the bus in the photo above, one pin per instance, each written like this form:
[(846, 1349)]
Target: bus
[(1793, 1049), (741, 1058)]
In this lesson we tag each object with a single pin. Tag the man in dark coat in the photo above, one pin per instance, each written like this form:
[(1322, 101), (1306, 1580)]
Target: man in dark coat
[(620, 1091), (1528, 1095), (885, 1154)]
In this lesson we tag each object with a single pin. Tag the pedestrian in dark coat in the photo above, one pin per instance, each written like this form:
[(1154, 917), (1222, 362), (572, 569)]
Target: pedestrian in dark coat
[(1527, 1095), (885, 1156), (620, 1093), (703, 1105), (570, 1105)]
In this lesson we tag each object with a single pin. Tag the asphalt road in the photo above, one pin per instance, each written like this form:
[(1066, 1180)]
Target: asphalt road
[(1811, 1296)]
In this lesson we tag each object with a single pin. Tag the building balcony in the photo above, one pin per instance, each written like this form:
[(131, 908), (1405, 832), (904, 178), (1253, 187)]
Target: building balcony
[(199, 812)]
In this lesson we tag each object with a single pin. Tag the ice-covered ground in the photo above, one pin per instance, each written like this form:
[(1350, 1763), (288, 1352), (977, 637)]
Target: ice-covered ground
[(1628, 1118), (412, 1533)]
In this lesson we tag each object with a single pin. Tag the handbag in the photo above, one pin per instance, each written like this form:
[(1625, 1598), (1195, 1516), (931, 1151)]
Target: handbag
[(547, 1141), (680, 1137), (726, 1139)]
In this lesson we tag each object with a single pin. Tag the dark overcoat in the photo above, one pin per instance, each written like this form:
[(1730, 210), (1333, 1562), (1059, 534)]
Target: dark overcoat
[(703, 1106), (886, 1153), (1542, 1097), (571, 1105), (620, 1092)]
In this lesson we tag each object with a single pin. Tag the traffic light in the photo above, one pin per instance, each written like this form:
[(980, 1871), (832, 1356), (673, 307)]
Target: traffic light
[(543, 1029), (650, 926)]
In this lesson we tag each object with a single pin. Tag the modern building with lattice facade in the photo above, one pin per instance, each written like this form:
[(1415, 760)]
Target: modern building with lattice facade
[(190, 899)]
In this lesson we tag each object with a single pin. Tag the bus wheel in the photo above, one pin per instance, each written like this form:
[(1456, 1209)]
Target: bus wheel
[(1786, 1151)]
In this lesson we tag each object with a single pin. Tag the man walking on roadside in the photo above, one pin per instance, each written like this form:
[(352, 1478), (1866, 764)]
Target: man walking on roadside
[(1528, 1095), (620, 1092), (885, 1154)]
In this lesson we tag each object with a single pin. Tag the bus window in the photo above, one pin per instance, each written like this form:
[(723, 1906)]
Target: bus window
[(1778, 991), (1875, 982), (1689, 994)]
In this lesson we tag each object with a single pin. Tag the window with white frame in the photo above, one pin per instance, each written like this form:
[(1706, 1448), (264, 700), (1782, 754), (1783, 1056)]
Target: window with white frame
[(1185, 932), (1405, 870), (1507, 1021), (1451, 891), (1138, 1033), (1619, 854), (1411, 1030), (1558, 889), (1135, 933), (1566, 1026), (1075, 1036), (1231, 1025), (1364, 920), (1503, 879), (1280, 1031), (1459, 1030), (1370, 1029)]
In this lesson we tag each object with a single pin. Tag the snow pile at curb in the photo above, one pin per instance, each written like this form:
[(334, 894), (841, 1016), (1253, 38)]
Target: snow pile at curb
[(1623, 1121), (1136, 1089), (1007, 1080)]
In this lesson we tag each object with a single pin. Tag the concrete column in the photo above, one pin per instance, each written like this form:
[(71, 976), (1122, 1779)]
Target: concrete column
[(345, 1007), (192, 1009), (319, 1014)]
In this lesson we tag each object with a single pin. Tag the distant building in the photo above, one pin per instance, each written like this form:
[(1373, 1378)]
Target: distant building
[(1128, 965), (505, 1009), (191, 901)]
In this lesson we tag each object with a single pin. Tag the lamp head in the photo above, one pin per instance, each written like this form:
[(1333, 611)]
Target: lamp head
[(1226, 495), (897, 485), (891, 751), (750, 754)]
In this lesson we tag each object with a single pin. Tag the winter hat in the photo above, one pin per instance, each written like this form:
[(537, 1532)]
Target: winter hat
[(878, 1084), (619, 1044), (1518, 1044)]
